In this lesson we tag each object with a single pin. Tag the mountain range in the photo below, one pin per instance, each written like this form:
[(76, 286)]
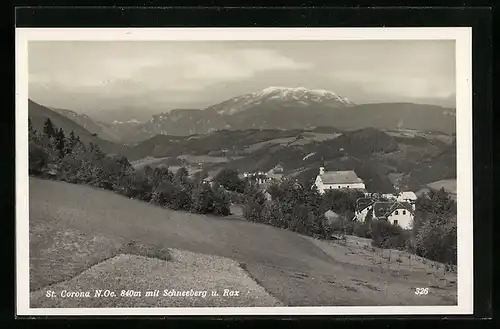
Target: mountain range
[(384, 158), (68, 121), (277, 108)]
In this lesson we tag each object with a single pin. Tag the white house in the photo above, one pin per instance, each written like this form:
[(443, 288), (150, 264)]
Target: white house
[(398, 213), (328, 180), (408, 197), (360, 213)]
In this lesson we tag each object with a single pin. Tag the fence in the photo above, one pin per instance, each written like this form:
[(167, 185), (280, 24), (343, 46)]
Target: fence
[(400, 263)]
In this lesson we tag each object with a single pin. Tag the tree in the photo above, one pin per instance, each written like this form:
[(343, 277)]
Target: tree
[(136, 185), (254, 207), (434, 227), (181, 177), (362, 229), (341, 202), (387, 235), (203, 199), (437, 239), (49, 128), (32, 133), (60, 142), (230, 180), (70, 143), (199, 177), (275, 191), (221, 203), (38, 159)]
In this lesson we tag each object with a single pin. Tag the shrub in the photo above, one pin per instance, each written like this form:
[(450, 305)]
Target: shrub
[(136, 186), (202, 201), (254, 207), (434, 231), (221, 203), (362, 229), (333, 226), (387, 235), (230, 180), (237, 198), (437, 240), (181, 199), (341, 202), (38, 159), (273, 215)]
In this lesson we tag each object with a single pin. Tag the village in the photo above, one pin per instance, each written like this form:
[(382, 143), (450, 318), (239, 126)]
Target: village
[(396, 208)]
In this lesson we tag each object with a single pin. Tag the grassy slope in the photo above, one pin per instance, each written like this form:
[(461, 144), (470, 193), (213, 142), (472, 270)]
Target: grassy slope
[(74, 227), (183, 271)]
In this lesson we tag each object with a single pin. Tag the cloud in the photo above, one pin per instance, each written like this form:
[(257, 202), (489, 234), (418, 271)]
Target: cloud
[(175, 70), (85, 74)]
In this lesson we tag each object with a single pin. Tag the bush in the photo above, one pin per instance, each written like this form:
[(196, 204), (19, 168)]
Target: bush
[(434, 231), (273, 215), (387, 235), (340, 201), (202, 199), (181, 199), (437, 240), (237, 198), (136, 186), (221, 203), (362, 229), (254, 207), (230, 180), (38, 159)]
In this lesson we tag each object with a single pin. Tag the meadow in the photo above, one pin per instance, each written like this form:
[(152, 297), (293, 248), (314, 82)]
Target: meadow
[(84, 238)]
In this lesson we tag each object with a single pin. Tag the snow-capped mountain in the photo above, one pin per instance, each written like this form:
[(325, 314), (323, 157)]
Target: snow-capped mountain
[(132, 121), (253, 110), (284, 96), (288, 108)]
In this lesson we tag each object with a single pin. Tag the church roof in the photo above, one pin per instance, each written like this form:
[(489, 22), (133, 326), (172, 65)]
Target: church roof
[(340, 177)]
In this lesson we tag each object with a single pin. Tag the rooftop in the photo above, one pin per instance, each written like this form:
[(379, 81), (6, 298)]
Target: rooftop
[(408, 195), (384, 209), (340, 177)]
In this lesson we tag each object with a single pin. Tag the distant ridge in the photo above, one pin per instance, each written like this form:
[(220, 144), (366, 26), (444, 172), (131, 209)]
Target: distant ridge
[(39, 114), (300, 108)]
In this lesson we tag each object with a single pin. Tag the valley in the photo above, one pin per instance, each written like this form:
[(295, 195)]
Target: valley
[(96, 238), (386, 158)]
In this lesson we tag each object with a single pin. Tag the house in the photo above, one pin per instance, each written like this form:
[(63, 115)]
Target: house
[(209, 180), (328, 180), (408, 197), (274, 177), (332, 216), (257, 177), (277, 169), (389, 196), (395, 212), (267, 196), (334, 222), (361, 212)]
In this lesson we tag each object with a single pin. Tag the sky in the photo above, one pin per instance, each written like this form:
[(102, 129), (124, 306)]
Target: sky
[(106, 79)]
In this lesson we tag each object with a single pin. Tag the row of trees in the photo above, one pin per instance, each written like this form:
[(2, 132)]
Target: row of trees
[(293, 207), (66, 158)]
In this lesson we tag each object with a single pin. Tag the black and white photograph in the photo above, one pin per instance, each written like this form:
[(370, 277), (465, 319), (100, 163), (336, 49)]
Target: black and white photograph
[(264, 171)]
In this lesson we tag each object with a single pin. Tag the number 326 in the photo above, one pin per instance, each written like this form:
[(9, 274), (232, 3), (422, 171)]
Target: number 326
[(421, 291)]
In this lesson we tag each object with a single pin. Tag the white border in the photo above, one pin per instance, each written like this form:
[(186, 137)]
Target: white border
[(461, 35)]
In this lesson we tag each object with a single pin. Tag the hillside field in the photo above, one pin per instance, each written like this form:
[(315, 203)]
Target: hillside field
[(82, 238)]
